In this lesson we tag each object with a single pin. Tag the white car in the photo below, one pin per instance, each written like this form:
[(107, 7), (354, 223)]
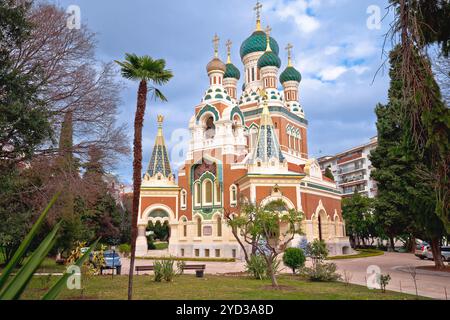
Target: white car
[(445, 254), (422, 250)]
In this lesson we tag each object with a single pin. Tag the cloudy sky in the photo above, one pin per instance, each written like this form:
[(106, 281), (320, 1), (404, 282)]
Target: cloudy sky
[(335, 49)]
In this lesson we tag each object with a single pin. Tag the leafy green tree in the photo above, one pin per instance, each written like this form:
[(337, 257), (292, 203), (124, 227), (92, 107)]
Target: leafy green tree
[(357, 211), (145, 70), (294, 258), (328, 173), (23, 117), (268, 229)]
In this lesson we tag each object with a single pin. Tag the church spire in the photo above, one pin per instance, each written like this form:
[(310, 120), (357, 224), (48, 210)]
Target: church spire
[(289, 48), (228, 44), (258, 8), (159, 161), (267, 147), (268, 30), (215, 41)]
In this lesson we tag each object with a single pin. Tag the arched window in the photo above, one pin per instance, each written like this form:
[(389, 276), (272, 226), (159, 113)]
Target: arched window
[(219, 226), (210, 130), (207, 192), (199, 227), (184, 222), (183, 199), (197, 194), (217, 193), (233, 195)]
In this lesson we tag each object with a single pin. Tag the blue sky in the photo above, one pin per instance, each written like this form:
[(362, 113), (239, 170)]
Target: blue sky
[(337, 54)]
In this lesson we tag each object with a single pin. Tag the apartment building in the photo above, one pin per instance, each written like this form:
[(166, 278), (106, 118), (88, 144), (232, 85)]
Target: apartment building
[(351, 169)]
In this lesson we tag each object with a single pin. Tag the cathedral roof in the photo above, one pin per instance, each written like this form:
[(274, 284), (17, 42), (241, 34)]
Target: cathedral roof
[(267, 146), (232, 72), (215, 65), (256, 43), (159, 161), (269, 59), (290, 74)]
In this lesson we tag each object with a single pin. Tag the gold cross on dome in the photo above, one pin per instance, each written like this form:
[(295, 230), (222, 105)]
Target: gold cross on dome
[(268, 31), (289, 48), (228, 44), (216, 45), (258, 8)]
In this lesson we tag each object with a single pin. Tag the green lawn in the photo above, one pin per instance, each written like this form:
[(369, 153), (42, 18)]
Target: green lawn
[(47, 266), (188, 287), (161, 245), (362, 253)]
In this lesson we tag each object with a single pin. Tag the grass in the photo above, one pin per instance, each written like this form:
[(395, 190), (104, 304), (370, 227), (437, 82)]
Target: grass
[(161, 245), (47, 266), (188, 287), (189, 259), (362, 253)]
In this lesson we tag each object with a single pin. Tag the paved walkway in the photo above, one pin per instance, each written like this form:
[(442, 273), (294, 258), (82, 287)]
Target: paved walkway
[(429, 284)]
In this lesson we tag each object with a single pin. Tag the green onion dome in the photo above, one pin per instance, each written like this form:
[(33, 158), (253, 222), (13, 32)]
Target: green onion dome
[(257, 42), (232, 72), (215, 65), (269, 59), (290, 74)]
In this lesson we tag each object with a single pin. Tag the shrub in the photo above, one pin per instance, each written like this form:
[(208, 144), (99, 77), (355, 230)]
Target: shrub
[(125, 249), (294, 258), (168, 270), (164, 270), (158, 271), (257, 267), (384, 281), (150, 243), (322, 272)]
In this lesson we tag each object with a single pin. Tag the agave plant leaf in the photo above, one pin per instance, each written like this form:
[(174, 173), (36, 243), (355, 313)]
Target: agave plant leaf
[(54, 291), (19, 282), (26, 243)]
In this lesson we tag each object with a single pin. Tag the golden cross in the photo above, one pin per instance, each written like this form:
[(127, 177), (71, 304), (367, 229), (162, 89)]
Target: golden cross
[(258, 8), (228, 44), (268, 31), (216, 45), (289, 48), (258, 15)]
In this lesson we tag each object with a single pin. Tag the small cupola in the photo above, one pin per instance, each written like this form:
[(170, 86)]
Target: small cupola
[(269, 63), (216, 68)]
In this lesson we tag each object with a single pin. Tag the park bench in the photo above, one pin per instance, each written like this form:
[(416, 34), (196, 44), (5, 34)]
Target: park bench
[(199, 268)]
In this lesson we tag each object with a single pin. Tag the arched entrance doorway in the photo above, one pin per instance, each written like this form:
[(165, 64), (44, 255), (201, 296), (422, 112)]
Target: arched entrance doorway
[(158, 230)]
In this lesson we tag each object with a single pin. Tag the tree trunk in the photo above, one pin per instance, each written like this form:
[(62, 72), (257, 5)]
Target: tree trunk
[(137, 170), (270, 262), (412, 244), (391, 244), (436, 250)]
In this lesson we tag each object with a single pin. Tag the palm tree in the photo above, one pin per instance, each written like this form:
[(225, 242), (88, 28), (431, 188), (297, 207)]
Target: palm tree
[(143, 69)]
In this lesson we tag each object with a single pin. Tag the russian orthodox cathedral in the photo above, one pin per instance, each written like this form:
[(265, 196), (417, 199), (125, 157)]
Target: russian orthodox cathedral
[(248, 148)]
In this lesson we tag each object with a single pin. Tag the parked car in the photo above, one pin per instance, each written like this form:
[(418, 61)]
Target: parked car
[(422, 250), (445, 254), (112, 261)]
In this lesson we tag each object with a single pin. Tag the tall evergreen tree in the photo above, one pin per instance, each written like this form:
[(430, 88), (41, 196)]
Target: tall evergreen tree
[(405, 201)]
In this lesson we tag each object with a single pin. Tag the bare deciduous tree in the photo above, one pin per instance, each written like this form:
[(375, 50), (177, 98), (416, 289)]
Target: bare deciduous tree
[(73, 80)]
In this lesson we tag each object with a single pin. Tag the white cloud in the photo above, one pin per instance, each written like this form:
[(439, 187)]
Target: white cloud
[(330, 50), (362, 49), (332, 73), (297, 10)]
